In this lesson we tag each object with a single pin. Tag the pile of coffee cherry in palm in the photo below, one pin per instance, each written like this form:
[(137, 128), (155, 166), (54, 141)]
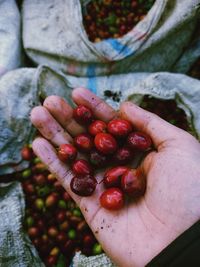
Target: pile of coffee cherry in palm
[(114, 143)]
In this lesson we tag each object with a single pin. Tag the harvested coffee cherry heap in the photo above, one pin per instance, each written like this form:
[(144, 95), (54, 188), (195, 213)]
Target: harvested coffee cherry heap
[(115, 142)]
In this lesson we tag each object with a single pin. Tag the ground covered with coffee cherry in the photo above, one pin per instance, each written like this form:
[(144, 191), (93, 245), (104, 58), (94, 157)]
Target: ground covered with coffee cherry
[(53, 221)]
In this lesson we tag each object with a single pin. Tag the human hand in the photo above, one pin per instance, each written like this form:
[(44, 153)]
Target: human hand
[(135, 234)]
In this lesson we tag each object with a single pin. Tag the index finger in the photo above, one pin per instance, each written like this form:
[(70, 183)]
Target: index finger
[(100, 108)]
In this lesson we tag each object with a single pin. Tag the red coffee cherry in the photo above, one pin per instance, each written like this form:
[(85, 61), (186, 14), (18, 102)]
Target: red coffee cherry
[(41, 225), (105, 143), (133, 183), (112, 178), (27, 153), (51, 200), (83, 115), (51, 261), (119, 127), (112, 199), (39, 179), (81, 167), (61, 238), (33, 232), (60, 216), (123, 155), (88, 240), (139, 140), (52, 231), (28, 187), (83, 185), (84, 142), (97, 127), (97, 159), (67, 153)]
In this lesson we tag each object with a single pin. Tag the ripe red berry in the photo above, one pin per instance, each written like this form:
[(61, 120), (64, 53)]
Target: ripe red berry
[(133, 183), (105, 143), (119, 127), (112, 199), (83, 142), (39, 179), (123, 155), (97, 159), (112, 177), (60, 216), (61, 237), (58, 187), (67, 153), (33, 232), (53, 231), (66, 196), (51, 261), (51, 200), (83, 186), (27, 153), (88, 240), (81, 167), (40, 224), (83, 115), (97, 127), (139, 140), (28, 188)]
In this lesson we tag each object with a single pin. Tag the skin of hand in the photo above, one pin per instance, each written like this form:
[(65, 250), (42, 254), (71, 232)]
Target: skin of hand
[(138, 232)]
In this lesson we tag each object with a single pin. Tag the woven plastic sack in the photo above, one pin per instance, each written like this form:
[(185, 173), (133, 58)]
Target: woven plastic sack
[(101, 260), (16, 250), (53, 34), (21, 89), (10, 36), (191, 54)]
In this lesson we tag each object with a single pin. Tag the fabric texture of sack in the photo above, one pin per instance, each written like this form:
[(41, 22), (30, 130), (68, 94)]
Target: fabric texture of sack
[(53, 34), (16, 249), (10, 36)]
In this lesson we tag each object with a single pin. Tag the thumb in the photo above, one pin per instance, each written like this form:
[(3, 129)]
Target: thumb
[(158, 129)]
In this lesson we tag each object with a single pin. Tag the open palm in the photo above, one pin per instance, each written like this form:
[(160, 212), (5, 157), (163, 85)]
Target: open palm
[(135, 234)]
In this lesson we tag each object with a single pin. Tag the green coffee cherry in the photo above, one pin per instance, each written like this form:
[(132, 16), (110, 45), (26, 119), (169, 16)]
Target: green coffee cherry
[(77, 213), (29, 221), (71, 234), (39, 203), (26, 173), (62, 204), (97, 249), (36, 160)]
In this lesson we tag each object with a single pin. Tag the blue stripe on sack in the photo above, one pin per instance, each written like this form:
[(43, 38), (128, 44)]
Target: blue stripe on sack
[(92, 82), (123, 49)]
